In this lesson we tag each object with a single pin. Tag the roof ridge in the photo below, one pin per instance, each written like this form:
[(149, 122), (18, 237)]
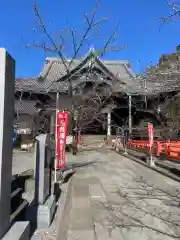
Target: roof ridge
[(25, 78), (130, 71), (58, 59), (116, 61)]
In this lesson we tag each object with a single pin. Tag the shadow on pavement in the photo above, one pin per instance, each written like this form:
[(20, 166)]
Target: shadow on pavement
[(145, 210), (79, 165)]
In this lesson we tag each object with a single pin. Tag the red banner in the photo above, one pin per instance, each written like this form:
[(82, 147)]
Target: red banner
[(151, 134), (62, 128)]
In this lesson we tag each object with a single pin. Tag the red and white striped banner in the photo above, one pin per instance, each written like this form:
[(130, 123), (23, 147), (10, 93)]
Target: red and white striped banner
[(62, 128), (151, 134)]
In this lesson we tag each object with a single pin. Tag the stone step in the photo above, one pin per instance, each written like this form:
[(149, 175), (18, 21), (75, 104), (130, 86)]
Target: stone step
[(93, 136), (19, 213), (94, 140), (18, 203), (20, 230), (95, 145), (16, 199)]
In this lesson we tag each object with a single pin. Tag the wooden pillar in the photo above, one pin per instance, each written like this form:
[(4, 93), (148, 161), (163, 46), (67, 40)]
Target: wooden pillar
[(52, 123)]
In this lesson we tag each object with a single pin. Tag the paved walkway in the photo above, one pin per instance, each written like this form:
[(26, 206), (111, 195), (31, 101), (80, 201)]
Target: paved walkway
[(116, 198), (22, 161)]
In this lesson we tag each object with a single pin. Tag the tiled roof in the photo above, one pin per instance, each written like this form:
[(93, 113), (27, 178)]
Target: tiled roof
[(29, 83), (161, 82), (54, 71), (25, 111), (53, 76), (25, 107), (119, 68)]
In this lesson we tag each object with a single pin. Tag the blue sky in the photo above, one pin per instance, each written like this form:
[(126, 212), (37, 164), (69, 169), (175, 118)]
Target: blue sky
[(139, 30)]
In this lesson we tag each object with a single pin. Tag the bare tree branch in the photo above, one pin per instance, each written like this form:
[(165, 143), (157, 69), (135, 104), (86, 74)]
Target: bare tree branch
[(175, 12), (89, 109)]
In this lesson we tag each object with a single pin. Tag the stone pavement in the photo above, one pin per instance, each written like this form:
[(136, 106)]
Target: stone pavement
[(117, 198), (22, 161)]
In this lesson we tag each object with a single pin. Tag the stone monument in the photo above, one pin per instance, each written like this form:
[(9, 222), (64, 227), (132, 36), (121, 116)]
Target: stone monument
[(44, 205), (7, 80)]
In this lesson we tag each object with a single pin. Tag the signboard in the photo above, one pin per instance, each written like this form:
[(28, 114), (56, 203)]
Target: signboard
[(151, 134), (151, 141), (62, 128)]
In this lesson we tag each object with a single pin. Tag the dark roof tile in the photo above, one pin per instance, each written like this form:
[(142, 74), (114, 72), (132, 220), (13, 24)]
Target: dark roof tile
[(25, 107), (54, 70)]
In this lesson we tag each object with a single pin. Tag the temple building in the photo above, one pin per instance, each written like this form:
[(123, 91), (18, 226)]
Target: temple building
[(120, 98)]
